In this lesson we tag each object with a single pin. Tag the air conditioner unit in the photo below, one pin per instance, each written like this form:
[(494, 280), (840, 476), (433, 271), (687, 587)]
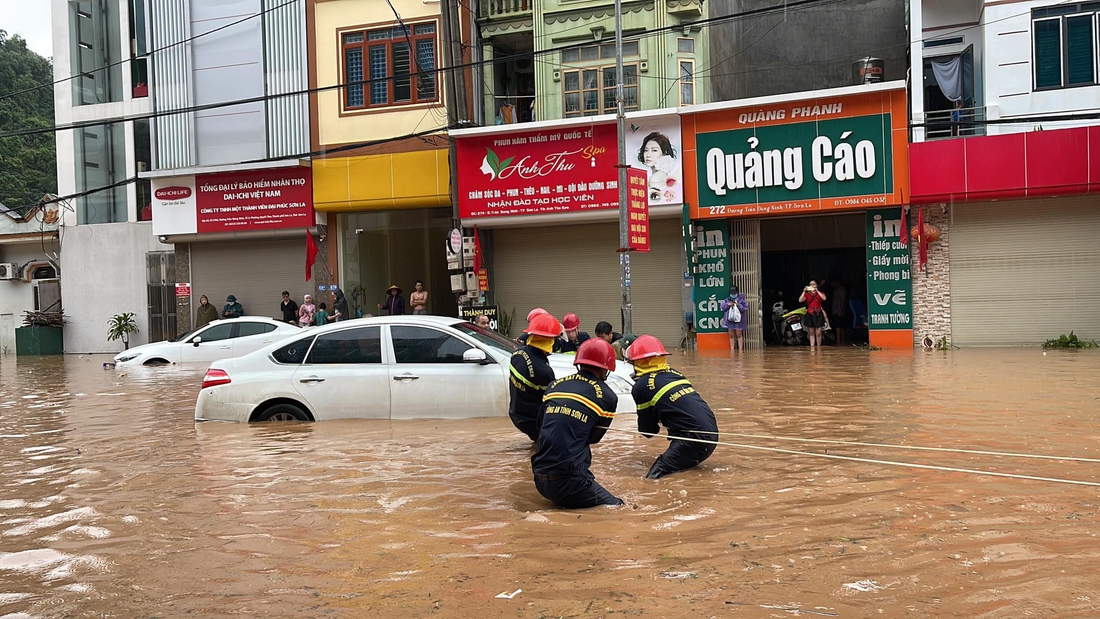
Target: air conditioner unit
[(8, 270)]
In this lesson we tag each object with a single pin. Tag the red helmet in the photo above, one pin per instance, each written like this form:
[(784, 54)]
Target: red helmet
[(570, 322), (646, 346), (538, 311), (544, 325), (596, 353)]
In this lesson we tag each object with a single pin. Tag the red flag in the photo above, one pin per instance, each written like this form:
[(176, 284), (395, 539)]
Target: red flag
[(904, 227), (311, 255), (477, 251), (922, 238)]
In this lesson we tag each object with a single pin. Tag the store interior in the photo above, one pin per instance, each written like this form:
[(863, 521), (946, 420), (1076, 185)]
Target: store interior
[(830, 249)]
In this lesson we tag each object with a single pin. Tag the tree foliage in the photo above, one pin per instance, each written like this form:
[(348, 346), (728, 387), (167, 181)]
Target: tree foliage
[(28, 165)]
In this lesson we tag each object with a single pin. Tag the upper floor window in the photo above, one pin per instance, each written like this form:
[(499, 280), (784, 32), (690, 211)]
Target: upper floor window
[(392, 65), (598, 52), (95, 51), (589, 92), (1064, 45)]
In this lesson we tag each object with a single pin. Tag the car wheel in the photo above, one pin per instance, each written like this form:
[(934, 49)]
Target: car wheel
[(283, 412)]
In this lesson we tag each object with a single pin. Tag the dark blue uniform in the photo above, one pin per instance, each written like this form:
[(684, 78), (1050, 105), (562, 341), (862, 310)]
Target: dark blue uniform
[(666, 397), (563, 345), (530, 375), (575, 414)]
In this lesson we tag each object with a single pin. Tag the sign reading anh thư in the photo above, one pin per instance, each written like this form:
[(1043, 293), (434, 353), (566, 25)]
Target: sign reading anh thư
[(711, 276), (829, 153), (889, 275)]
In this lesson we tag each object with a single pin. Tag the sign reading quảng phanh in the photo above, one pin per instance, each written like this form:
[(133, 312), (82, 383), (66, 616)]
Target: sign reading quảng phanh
[(712, 274), (550, 170), (889, 274), (819, 165), (637, 207)]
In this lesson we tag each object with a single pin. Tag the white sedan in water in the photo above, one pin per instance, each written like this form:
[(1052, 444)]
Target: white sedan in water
[(392, 367), (221, 339)]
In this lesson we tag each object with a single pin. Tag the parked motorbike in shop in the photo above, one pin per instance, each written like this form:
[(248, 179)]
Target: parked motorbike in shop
[(788, 325)]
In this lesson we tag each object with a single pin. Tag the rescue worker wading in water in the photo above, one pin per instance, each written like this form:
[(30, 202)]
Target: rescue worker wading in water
[(664, 396), (576, 413), (530, 374)]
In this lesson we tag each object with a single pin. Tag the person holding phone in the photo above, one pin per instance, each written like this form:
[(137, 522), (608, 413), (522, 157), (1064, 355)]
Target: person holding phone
[(815, 315)]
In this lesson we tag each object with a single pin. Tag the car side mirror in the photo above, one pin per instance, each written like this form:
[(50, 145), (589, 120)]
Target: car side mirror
[(196, 341), (475, 355)]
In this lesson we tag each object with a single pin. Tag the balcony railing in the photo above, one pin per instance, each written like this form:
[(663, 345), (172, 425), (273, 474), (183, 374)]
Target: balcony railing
[(506, 8), (957, 123)]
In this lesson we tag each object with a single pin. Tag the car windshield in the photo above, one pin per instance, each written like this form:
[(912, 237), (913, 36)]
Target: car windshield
[(183, 338), (487, 337)]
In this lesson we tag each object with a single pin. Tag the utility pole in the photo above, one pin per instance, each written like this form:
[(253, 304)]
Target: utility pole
[(620, 126), (454, 92)]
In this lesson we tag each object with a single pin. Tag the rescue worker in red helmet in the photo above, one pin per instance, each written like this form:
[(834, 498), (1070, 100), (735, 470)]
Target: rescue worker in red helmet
[(531, 374), (573, 337), (665, 397), (576, 413), (538, 311)]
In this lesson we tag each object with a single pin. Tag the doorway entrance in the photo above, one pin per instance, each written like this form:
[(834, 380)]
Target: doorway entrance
[(830, 249), (160, 268)]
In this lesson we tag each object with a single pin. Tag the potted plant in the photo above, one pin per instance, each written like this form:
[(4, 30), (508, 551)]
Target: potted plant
[(120, 326)]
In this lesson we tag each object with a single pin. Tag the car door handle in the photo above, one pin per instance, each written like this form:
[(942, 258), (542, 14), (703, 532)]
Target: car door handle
[(406, 377), (268, 341), (311, 379), (226, 347)]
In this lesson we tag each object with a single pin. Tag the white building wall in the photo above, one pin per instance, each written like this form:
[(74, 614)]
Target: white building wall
[(1001, 33), (103, 274), (17, 296)]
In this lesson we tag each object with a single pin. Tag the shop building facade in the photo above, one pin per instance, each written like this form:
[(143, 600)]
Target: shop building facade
[(544, 197), (1013, 193), (29, 262), (380, 148), (231, 187), (665, 52), (792, 188)]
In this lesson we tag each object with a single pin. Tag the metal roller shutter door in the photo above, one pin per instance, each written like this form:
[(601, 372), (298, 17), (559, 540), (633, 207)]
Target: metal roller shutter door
[(575, 269), (255, 271), (1023, 272)]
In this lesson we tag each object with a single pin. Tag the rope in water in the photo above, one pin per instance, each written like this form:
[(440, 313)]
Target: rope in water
[(930, 467), (1006, 454)]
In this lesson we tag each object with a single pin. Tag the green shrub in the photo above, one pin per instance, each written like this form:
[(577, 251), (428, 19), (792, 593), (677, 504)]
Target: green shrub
[(1070, 342)]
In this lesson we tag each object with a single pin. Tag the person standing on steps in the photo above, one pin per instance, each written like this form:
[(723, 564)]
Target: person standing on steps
[(530, 374), (395, 303), (306, 311), (232, 309), (665, 397), (206, 313), (289, 309), (419, 300), (340, 310), (736, 322), (576, 413)]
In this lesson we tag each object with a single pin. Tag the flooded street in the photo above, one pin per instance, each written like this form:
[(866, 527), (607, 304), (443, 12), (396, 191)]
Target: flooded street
[(113, 503)]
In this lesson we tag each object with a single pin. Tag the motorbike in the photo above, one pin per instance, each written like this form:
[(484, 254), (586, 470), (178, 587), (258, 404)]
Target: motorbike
[(788, 325)]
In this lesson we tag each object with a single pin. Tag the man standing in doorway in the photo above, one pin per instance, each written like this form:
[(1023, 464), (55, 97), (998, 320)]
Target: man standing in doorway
[(839, 310), (289, 309)]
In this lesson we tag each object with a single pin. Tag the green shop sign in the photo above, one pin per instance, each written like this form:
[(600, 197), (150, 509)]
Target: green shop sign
[(889, 278), (798, 165), (711, 274)]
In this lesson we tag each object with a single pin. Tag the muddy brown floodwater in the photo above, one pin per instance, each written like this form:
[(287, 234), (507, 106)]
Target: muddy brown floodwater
[(114, 503)]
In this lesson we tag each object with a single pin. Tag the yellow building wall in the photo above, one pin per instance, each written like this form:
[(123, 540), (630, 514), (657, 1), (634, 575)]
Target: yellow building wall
[(418, 179), (332, 16)]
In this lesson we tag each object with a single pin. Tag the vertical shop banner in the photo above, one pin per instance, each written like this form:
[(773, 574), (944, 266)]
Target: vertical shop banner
[(483, 280), (637, 207), (653, 146), (711, 275), (889, 274), (550, 170)]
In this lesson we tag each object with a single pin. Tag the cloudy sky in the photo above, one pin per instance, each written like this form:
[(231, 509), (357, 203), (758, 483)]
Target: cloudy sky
[(29, 19)]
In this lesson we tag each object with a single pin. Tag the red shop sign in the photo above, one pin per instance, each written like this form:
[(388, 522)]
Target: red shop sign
[(552, 170), (637, 208), (255, 200)]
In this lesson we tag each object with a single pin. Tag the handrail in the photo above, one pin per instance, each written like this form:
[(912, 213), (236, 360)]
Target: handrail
[(954, 123)]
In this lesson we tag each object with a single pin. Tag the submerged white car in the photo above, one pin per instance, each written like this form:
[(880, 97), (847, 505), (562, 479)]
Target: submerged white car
[(220, 339), (392, 367)]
